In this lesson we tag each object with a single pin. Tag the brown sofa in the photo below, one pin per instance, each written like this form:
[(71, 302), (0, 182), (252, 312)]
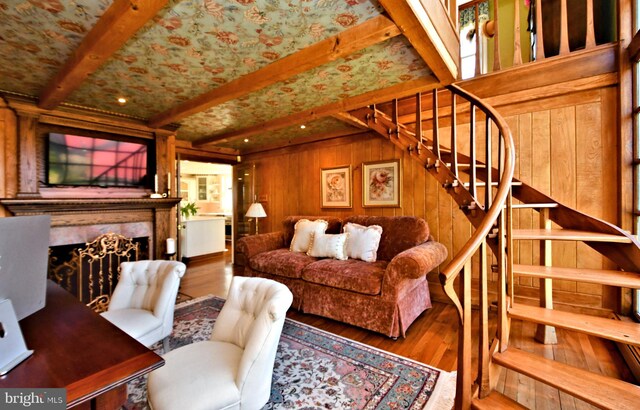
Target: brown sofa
[(385, 296)]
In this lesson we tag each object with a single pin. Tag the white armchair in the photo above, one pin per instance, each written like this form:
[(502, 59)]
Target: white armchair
[(233, 369), (143, 301)]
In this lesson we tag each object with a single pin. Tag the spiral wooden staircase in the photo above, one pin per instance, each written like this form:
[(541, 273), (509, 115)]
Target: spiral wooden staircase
[(481, 182)]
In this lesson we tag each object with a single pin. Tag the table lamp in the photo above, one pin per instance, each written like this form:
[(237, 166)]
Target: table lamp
[(256, 211)]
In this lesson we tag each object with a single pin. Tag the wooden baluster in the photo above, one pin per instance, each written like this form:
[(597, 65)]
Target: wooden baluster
[(477, 28), (509, 246), (484, 355), (436, 126), (396, 120), (590, 42), (488, 199), (463, 386), (564, 29), (517, 52), (503, 320), (546, 334), (454, 137), (472, 152), (419, 117), (539, 37), (496, 40)]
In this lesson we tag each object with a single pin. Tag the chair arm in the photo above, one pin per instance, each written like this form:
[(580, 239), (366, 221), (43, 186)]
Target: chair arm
[(415, 262), (252, 245)]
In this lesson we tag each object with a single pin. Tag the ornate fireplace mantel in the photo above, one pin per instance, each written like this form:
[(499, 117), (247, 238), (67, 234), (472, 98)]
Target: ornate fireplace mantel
[(73, 212)]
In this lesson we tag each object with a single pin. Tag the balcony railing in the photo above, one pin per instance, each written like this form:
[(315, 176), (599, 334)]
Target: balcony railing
[(497, 34)]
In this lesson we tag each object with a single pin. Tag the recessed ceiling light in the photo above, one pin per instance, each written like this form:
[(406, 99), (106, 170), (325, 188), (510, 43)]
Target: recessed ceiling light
[(246, 140), (122, 100), (303, 126)]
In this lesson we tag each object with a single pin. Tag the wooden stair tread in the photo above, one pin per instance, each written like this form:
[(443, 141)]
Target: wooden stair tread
[(495, 401), (568, 235), (619, 331), (535, 206), (596, 389), (600, 276)]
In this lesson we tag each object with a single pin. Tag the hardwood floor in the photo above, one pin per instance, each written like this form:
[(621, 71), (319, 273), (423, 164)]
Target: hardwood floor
[(432, 339)]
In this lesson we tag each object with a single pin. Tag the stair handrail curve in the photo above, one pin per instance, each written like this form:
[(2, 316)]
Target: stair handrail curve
[(453, 268)]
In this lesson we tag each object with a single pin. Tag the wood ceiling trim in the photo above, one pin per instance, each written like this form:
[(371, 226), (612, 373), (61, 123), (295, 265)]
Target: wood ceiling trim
[(348, 104), (427, 26), (371, 32), (118, 23)]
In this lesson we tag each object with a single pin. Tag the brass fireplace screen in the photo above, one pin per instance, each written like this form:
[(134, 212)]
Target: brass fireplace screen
[(91, 272)]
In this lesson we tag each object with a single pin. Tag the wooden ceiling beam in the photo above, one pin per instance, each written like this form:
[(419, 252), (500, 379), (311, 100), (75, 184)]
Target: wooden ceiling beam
[(304, 140), (429, 29), (370, 32), (118, 23), (347, 118), (348, 104)]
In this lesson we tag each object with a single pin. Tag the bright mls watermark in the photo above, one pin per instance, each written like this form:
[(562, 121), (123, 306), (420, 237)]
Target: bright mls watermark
[(41, 399)]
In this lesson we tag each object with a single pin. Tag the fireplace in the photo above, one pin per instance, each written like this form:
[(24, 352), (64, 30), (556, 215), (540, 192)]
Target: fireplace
[(90, 271), (76, 222)]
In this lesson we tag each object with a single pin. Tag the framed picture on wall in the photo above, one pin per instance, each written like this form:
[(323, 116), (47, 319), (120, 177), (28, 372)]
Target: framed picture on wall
[(381, 183), (336, 187)]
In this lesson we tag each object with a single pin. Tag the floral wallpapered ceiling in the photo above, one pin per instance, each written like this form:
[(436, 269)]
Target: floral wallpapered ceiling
[(379, 66), (37, 37), (193, 46), (289, 135)]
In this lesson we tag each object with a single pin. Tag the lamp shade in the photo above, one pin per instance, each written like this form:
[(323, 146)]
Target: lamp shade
[(256, 211)]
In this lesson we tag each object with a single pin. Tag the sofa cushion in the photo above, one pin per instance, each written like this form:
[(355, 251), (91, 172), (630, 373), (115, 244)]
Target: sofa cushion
[(353, 275), (399, 233), (363, 241), (281, 262), (328, 246), (304, 231), (289, 223)]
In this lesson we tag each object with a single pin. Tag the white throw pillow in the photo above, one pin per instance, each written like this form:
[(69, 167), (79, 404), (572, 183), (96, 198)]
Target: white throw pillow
[(302, 235), (328, 246), (363, 241)]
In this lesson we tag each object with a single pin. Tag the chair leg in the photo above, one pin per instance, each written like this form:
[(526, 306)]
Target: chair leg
[(165, 345)]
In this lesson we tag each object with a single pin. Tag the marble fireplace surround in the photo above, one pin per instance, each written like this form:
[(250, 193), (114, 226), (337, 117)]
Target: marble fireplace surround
[(82, 220)]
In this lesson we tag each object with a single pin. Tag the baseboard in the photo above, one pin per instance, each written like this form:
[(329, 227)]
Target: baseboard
[(630, 354)]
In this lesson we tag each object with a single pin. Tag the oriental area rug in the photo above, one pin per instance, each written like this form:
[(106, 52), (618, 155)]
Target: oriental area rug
[(315, 369)]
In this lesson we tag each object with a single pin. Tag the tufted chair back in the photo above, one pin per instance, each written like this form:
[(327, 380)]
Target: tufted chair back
[(145, 295), (252, 319)]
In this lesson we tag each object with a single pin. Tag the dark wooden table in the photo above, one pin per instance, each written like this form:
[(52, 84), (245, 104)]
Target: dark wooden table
[(77, 349)]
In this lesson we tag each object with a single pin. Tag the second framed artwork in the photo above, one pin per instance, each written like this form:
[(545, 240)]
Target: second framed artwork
[(336, 187), (381, 183)]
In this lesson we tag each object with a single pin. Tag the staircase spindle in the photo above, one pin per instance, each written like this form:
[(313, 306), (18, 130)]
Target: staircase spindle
[(546, 334), (539, 36), (503, 321), (564, 29), (517, 52), (496, 39), (484, 355), (419, 118), (436, 125), (454, 136), (489, 165), (590, 41), (472, 152), (463, 386)]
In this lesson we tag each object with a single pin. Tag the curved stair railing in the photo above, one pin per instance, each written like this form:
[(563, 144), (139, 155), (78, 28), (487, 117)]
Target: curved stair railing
[(488, 213), (464, 175)]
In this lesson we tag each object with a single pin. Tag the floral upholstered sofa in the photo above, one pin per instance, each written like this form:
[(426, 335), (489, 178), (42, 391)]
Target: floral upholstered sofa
[(385, 295)]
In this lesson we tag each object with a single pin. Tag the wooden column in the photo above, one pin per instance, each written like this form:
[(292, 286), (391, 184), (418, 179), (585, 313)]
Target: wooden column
[(517, 52), (27, 156), (8, 154)]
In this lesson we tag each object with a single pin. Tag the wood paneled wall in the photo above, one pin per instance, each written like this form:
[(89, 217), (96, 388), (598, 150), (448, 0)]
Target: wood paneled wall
[(566, 147)]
